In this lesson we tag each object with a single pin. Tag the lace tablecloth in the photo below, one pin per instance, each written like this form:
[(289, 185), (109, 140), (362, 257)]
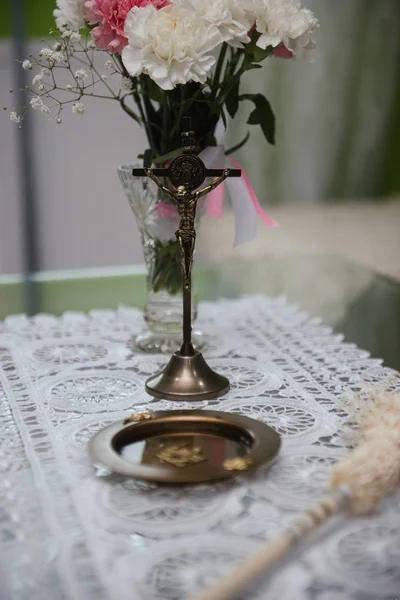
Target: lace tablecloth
[(67, 534)]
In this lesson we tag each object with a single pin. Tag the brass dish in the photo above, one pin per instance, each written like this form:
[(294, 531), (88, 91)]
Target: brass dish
[(184, 446)]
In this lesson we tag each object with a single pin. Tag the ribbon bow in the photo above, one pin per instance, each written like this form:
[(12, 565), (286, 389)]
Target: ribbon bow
[(246, 205)]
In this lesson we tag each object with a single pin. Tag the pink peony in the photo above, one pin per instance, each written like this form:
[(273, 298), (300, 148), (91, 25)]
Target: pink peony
[(110, 16)]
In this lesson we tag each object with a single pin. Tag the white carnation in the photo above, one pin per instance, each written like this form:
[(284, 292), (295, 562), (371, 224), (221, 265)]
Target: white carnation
[(228, 16), (284, 21), (78, 108), (69, 14), (172, 45)]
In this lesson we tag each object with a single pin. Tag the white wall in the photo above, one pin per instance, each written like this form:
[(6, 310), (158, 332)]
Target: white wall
[(10, 246), (83, 216), (333, 119)]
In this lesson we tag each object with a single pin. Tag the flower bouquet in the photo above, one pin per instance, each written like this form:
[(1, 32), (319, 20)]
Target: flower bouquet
[(165, 59)]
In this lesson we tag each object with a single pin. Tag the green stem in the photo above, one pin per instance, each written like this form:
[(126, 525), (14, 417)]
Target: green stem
[(224, 92), (235, 56), (237, 147), (136, 96), (130, 112), (148, 108), (218, 70), (166, 123), (177, 125), (137, 99)]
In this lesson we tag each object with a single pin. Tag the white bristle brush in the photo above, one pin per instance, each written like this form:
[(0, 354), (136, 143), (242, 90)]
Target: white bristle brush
[(358, 484)]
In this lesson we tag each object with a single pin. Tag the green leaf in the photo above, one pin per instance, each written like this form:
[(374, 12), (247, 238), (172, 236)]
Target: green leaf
[(161, 160), (262, 115), (232, 100), (223, 117), (166, 273), (148, 157), (154, 91), (250, 66), (254, 54)]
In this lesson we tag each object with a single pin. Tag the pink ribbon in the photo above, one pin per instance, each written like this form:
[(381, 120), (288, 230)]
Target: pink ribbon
[(216, 202), (245, 204), (216, 199)]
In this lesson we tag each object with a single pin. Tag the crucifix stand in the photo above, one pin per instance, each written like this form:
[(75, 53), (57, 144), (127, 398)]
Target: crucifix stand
[(187, 376)]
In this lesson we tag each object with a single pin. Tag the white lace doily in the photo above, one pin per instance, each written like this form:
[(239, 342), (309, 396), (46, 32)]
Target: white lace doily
[(69, 534)]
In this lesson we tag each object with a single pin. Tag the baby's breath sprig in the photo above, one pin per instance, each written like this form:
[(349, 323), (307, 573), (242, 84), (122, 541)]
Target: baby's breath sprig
[(72, 56)]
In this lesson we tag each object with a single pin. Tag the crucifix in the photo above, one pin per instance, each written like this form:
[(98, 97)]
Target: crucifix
[(187, 375)]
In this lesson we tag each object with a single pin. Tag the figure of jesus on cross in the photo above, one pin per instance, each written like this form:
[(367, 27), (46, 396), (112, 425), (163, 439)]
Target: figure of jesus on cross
[(187, 204), (186, 173)]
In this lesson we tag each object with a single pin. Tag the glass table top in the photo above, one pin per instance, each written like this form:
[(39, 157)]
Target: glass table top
[(353, 299)]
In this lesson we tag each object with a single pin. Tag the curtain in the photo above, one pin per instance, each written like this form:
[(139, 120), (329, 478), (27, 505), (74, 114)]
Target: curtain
[(338, 125)]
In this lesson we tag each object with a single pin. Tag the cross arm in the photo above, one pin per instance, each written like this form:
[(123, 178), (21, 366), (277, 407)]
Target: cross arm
[(219, 172), (164, 172), (143, 172)]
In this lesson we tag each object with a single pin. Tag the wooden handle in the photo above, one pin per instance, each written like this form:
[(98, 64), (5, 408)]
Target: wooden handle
[(262, 561), (236, 581)]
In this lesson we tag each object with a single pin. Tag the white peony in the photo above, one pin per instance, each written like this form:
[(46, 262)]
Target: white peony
[(172, 45), (283, 21), (228, 16), (69, 14)]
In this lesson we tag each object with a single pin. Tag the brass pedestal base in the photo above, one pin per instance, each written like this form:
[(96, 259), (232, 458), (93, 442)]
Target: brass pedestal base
[(187, 378)]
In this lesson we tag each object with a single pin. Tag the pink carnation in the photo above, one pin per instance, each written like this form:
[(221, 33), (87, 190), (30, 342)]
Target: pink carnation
[(281, 52), (110, 16)]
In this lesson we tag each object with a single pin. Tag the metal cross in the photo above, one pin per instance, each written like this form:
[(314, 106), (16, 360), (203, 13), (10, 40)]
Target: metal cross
[(187, 173)]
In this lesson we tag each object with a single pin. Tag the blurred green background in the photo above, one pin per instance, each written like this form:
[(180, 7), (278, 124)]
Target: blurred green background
[(39, 18), (368, 23)]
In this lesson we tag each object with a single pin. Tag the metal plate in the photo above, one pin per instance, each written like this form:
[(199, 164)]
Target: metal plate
[(183, 446)]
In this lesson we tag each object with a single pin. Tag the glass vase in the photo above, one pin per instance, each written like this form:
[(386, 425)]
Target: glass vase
[(157, 220)]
